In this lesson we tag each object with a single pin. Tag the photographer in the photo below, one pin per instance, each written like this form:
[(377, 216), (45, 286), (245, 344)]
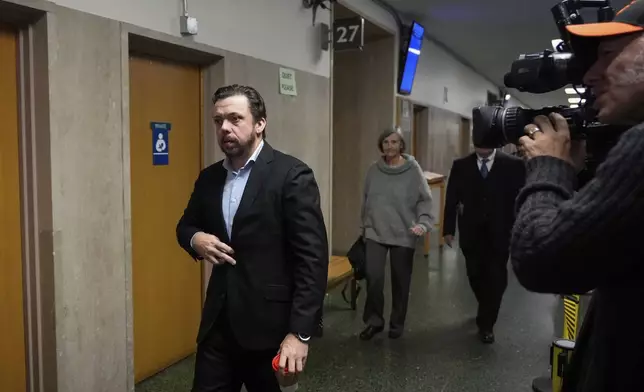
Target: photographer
[(592, 240)]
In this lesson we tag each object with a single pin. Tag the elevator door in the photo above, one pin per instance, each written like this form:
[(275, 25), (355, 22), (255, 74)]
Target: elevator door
[(167, 285), (12, 337)]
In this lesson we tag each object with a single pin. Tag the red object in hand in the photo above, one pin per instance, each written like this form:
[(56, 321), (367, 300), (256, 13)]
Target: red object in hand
[(276, 364)]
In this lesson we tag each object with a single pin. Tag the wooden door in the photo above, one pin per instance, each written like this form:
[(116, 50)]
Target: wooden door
[(465, 137), (414, 133), (419, 132), (12, 333), (404, 119), (444, 141), (167, 285), (421, 136)]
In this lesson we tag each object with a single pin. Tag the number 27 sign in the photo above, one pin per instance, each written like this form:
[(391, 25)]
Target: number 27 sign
[(348, 33)]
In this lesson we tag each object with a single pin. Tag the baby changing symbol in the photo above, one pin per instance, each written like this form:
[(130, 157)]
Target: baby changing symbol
[(161, 144)]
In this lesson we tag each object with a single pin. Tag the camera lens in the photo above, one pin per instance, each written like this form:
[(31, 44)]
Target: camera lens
[(496, 126), (485, 131)]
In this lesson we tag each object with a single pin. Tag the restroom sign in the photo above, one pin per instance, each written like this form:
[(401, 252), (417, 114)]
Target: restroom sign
[(160, 143)]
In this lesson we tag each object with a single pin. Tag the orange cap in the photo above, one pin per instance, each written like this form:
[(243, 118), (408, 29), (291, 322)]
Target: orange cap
[(629, 19)]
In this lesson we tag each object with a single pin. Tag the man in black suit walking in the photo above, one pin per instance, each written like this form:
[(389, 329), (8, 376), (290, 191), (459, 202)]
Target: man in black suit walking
[(481, 191), (256, 217)]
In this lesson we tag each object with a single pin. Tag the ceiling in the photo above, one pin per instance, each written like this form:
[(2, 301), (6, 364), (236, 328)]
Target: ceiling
[(490, 34)]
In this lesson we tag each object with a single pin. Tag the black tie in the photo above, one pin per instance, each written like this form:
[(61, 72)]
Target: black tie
[(484, 170)]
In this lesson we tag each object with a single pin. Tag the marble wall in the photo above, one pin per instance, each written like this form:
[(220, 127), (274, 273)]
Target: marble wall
[(87, 201)]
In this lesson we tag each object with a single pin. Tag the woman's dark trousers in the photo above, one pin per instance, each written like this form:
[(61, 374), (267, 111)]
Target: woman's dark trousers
[(402, 261)]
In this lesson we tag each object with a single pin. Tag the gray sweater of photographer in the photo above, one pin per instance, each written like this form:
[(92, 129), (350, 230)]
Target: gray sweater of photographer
[(396, 198), (567, 242)]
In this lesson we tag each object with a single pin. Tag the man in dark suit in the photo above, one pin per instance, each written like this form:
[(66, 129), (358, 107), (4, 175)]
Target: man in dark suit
[(481, 191), (256, 217)]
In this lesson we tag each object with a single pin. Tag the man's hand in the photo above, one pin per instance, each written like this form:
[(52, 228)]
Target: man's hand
[(555, 142), (449, 239), (212, 249), (547, 137), (293, 354)]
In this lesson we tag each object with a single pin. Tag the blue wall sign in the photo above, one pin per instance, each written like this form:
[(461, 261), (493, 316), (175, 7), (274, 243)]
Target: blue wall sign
[(160, 143)]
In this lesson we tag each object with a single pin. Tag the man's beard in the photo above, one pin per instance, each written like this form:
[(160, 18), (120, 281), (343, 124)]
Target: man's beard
[(235, 149)]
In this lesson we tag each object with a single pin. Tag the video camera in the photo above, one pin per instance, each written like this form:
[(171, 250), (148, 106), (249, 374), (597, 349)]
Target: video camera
[(538, 73)]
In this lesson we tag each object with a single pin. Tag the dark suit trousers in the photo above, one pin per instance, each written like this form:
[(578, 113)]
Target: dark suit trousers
[(488, 276), (402, 262), (222, 365)]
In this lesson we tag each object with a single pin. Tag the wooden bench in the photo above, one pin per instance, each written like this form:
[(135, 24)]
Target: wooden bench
[(340, 271)]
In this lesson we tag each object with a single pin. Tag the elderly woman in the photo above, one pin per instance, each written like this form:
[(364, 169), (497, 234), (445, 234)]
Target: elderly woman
[(396, 211)]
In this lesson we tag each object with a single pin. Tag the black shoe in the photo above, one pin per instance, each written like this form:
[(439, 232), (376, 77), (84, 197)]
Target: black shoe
[(395, 334), (370, 332), (486, 337)]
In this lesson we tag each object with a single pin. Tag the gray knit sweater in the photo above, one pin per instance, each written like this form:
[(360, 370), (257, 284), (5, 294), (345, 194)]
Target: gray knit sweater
[(395, 198)]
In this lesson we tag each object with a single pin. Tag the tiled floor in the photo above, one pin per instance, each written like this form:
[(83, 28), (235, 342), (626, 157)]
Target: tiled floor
[(439, 351)]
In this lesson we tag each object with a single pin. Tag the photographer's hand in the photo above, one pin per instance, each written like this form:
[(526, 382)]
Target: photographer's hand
[(546, 139)]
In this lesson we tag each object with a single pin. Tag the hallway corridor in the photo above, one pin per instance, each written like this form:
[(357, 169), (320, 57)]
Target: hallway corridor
[(440, 350)]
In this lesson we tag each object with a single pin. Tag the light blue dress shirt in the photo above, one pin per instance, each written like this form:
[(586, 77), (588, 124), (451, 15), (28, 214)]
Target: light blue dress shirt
[(235, 184)]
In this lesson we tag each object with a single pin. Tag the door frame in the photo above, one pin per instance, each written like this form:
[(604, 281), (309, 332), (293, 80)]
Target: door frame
[(30, 24)]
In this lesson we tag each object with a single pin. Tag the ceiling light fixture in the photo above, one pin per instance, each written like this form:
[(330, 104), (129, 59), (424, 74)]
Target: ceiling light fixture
[(574, 100), (572, 91)]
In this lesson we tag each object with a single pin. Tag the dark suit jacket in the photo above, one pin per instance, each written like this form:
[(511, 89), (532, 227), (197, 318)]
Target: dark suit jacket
[(280, 243), (485, 207)]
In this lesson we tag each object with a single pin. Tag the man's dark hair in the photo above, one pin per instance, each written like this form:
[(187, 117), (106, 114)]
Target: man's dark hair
[(388, 133), (255, 100)]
